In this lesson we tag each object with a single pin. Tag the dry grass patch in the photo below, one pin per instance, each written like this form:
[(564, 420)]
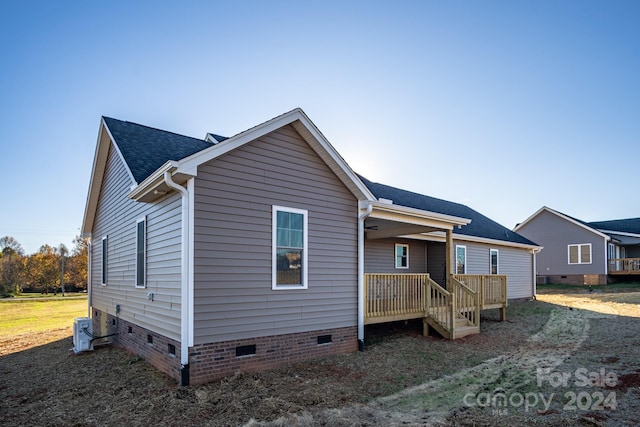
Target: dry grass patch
[(401, 379)]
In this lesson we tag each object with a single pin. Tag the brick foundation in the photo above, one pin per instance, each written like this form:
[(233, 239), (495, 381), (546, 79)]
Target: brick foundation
[(574, 279), (136, 339), (209, 362)]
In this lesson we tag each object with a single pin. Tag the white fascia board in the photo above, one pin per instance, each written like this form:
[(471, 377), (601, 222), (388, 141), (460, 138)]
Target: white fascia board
[(563, 216), (124, 163), (191, 163), (152, 181), (386, 211), (318, 142), (330, 155), (620, 233), (519, 226), (439, 236), (495, 242), (100, 159)]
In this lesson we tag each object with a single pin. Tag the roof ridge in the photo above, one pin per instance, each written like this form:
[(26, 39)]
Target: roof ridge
[(156, 129)]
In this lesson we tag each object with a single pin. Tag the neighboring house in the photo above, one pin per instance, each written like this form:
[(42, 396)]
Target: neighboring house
[(579, 252), (223, 254)]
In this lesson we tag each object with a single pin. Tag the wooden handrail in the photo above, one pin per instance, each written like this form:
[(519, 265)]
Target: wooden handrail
[(439, 305), (467, 302)]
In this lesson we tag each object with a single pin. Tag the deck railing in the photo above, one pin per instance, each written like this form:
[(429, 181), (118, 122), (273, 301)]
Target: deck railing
[(439, 303), (624, 266), (391, 297), (491, 287), (466, 302)]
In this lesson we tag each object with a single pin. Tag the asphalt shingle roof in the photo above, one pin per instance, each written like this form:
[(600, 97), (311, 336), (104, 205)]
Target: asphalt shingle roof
[(629, 225), (480, 225), (145, 149)]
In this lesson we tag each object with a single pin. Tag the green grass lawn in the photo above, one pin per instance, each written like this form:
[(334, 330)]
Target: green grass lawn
[(22, 315)]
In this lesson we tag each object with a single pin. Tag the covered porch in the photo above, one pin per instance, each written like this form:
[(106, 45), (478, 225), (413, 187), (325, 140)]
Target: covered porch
[(428, 288)]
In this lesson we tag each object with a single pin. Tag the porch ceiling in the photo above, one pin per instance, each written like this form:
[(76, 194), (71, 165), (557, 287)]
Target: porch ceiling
[(388, 220), (377, 228)]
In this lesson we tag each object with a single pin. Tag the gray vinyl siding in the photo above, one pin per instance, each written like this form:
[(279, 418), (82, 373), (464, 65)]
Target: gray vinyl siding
[(379, 256), (555, 234), (437, 262), (116, 218), (516, 264), (234, 195)]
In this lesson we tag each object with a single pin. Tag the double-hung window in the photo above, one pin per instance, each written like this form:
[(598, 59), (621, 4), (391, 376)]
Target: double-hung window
[(141, 252), (493, 261), (461, 259), (289, 248), (103, 267), (580, 254), (402, 255)]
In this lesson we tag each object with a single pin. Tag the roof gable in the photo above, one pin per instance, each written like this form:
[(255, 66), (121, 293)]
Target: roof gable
[(480, 225), (145, 149), (188, 165), (565, 217)]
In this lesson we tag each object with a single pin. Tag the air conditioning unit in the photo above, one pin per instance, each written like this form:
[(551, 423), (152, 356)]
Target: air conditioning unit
[(82, 334)]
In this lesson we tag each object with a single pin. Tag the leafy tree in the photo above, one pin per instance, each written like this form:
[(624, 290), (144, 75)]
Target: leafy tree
[(76, 265), (43, 269), (11, 265)]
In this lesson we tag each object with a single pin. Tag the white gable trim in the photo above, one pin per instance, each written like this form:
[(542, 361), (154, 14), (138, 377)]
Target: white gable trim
[(100, 158), (308, 131), (563, 216)]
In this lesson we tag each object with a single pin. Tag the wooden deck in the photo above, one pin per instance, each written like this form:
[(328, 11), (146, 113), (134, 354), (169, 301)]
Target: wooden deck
[(624, 266), (453, 313)]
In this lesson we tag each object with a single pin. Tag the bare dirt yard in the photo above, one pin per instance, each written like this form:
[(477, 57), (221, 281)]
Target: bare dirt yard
[(570, 358)]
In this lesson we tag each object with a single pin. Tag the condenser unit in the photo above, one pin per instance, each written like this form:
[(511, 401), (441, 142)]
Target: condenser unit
[(82, 334)]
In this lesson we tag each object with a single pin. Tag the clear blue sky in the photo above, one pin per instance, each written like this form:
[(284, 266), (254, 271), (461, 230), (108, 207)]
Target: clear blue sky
[(505, 106)]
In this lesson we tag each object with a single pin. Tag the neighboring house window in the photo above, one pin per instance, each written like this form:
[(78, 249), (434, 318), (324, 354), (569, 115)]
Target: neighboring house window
[(461, 259), (290, 266), (493, 255), (141, 252), (402, 256), (103, 275), (580, 254)]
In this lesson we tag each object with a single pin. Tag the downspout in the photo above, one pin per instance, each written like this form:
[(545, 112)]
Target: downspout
[(361, 283), (534, 253), (184, 294), (89, 288)]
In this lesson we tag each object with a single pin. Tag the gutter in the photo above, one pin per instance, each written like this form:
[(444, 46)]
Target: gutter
[(361, 284), (185, 295)]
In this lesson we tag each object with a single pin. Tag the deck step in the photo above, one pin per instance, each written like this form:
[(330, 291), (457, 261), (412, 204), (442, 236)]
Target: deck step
[(463, 331)]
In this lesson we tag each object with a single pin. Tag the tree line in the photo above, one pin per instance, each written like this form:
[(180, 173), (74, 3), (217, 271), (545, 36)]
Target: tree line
[(50, 269)]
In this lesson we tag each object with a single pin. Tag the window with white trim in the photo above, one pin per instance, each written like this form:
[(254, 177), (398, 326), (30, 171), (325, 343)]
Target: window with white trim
[(141, 252), (402, 255), (289, 248), (493, 261), (461, 259), (103, 267), (580, 254)]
